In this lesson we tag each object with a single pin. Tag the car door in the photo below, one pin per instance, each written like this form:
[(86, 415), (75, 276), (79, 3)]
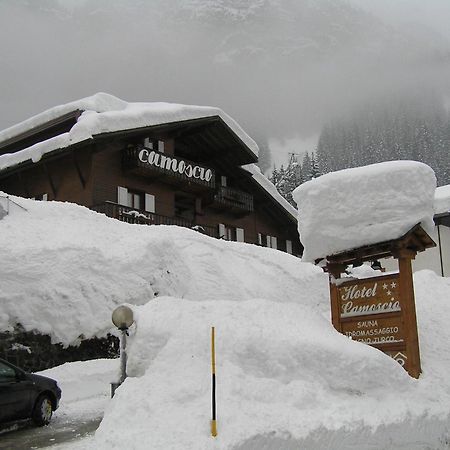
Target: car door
[(15, 394)]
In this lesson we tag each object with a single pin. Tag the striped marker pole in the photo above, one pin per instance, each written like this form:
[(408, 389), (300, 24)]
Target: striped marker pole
[(213, 367)]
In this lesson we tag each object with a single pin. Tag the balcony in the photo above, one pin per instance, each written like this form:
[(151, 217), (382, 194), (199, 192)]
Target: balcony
[(232, 200), (170, 169), (131, 215)]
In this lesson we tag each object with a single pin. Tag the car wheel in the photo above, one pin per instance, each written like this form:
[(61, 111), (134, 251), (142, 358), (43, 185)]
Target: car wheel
[(43, 411)]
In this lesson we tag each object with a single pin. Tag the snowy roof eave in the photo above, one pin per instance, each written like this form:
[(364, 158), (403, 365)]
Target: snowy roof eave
[(105, 114), (269, 187)]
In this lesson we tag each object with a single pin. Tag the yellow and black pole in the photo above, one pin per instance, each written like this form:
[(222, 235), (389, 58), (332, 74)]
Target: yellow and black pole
[(213, 367)]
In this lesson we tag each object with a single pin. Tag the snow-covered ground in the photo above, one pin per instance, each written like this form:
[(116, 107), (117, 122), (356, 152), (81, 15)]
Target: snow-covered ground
[(286, 379)]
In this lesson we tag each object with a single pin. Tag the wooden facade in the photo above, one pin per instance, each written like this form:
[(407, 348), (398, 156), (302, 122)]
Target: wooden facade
[(186, 173)]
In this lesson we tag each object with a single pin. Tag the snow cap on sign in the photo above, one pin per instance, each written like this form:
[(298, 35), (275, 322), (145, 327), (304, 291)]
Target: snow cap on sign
[(351, 208)]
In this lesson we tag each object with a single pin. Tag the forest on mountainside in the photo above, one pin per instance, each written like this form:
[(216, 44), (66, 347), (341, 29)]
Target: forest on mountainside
[(412, 128)]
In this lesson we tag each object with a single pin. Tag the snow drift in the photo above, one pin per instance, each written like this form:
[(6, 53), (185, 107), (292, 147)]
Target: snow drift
[(365, 205), (285, 378), (65, 268)]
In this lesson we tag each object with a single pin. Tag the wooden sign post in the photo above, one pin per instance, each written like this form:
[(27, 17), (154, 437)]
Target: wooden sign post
[(380, 311)]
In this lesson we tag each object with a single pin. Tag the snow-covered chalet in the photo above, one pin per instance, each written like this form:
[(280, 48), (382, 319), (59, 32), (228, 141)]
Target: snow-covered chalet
[(149, 163)]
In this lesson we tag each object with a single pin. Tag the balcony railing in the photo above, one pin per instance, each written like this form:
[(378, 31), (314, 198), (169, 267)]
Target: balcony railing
[(152, 163), (135, 216), (233, 199)]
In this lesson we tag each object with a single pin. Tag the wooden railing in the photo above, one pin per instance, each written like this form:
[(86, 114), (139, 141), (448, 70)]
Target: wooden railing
[(234, 198), (135, 216), (171, 166)]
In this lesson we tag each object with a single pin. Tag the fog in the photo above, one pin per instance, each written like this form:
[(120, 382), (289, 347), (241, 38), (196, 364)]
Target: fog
[(281, 68)]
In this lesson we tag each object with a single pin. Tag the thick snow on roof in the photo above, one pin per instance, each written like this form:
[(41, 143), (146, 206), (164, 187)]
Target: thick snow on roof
[(270, 188), (105, 113), (355, 207), (442, 199)]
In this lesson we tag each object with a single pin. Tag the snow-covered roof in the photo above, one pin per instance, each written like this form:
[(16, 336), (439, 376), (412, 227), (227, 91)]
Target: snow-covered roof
[(104, 113), (264, 182), (442, 199), (367, 205)]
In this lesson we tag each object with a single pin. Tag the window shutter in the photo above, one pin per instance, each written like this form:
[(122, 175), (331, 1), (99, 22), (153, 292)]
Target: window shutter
[(44, 197), (259, 239), (240, 234), (222, 231), (122, 196), (150, 203), (268, 241), (289, 247), (148, 143), (274, 242)]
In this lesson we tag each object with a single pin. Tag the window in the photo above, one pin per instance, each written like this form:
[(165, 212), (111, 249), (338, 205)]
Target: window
[(42, 197), (240, 235), (135, 199), (6, 373), (154, 144), (230, 233), (289, 247)]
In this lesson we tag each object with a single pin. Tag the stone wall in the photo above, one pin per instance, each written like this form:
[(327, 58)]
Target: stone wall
[(33, 351)]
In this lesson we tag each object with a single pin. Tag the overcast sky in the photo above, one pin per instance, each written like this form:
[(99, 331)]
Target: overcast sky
[(281, 70)]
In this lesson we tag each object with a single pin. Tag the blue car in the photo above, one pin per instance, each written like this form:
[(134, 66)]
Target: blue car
[(26, 396)]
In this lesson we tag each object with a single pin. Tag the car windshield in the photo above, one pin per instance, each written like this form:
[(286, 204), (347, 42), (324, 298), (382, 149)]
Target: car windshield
[(6, 372)]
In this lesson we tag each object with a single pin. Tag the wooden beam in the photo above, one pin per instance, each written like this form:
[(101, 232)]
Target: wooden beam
[(24, 184), (77, 166), (409, 313), (50, 179)]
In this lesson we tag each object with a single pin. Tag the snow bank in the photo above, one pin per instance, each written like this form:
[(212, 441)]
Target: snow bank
[(286, 380), (105, 113), (365, 205), (65, 268), (281, 368), (442, 199)]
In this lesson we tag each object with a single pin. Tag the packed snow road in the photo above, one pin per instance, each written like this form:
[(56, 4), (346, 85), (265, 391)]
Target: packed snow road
[(85, 394), (28, 437)]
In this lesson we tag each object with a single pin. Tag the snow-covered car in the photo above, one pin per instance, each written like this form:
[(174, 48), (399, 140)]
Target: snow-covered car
[(26, 396)]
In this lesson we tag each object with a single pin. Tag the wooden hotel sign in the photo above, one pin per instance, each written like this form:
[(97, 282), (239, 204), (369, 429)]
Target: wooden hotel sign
[(370, 311), (380, 311)]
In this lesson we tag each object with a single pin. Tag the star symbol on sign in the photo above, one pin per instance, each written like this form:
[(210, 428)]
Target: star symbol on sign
[(385, 286), (393, 285), (388, 292)]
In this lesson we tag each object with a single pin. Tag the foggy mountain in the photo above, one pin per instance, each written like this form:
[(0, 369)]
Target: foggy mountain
[(282, 68)]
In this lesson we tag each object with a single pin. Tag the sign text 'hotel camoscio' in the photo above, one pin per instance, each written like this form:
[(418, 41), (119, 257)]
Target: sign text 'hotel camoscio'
[(370, 311), (175, 165)]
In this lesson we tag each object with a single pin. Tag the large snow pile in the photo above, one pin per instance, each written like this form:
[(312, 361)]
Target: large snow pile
[(283, 374), (105, 113), (64, 268), (355, 207), (286, 378)]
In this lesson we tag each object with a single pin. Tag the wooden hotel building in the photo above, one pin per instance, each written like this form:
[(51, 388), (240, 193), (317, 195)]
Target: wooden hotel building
[(149, 163)]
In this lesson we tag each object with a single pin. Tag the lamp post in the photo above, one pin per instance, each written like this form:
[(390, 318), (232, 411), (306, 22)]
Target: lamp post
[(122, 318)]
